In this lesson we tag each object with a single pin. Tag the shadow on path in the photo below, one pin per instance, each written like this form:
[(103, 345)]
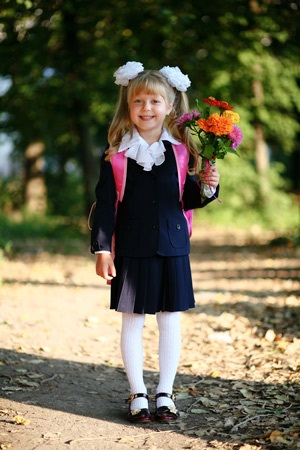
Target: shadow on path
[(214, 409)]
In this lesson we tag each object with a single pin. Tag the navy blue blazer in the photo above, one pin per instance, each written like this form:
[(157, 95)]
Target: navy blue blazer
[(149, 220)]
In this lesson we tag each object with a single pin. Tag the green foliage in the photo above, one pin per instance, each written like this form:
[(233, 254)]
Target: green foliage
[(242, 204), (11, 194), (60, 57), (35, 234), (65, 195)]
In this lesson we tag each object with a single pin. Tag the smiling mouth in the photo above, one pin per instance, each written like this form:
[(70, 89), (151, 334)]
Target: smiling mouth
[(146, 117)]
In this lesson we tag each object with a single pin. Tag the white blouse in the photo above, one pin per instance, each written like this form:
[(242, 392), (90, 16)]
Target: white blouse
[(146, 155)]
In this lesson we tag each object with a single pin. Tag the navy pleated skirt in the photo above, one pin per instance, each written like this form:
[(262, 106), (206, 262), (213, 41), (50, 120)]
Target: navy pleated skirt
[(150, 285)]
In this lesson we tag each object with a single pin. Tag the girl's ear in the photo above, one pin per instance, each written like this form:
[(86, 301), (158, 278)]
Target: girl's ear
[(170, 108)]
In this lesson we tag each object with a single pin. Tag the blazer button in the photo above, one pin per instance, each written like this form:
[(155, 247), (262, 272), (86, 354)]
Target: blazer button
[(178, 226), (155, 226)]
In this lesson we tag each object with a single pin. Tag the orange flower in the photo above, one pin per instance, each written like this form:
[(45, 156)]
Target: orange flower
[(216, 124)]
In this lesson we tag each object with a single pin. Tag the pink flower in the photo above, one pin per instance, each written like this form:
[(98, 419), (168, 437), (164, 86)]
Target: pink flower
[(185, 118), (236, 137), (196, 114), (188, 117)]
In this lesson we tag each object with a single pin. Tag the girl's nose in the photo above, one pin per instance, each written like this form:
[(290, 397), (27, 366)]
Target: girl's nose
[(146, 105)]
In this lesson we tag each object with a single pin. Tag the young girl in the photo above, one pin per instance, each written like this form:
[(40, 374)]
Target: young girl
[(141, 230)]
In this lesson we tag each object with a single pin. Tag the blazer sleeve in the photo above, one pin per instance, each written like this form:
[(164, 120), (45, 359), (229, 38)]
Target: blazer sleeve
[(104, 214), (192, 196)]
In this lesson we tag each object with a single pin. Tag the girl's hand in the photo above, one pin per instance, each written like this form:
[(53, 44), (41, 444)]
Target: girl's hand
[(211, 178), (105, 267)]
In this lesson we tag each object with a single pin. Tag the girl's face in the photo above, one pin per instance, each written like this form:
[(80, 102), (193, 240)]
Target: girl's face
[(148, 112)]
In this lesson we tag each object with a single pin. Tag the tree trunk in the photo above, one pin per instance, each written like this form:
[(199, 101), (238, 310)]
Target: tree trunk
[(262, 160), (261, 148), (35, 186), (261, 151)]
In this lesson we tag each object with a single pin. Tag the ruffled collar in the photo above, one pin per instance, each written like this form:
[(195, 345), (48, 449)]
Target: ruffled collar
[(145, 155)]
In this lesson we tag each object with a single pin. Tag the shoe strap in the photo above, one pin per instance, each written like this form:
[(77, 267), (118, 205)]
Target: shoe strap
[(165, 394), (133, 396)]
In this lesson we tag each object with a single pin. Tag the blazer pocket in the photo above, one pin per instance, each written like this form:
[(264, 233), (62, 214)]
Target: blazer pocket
[(128, 235), (178, 234)]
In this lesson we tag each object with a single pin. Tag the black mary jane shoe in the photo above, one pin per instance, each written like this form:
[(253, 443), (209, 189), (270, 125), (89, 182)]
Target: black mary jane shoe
[(138, 415), (166, 413)]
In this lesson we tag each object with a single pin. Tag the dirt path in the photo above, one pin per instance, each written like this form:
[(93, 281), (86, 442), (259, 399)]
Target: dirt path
[(238, 383)]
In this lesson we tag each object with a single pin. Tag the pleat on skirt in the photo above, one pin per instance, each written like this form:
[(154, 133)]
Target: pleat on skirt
[(150, 285)]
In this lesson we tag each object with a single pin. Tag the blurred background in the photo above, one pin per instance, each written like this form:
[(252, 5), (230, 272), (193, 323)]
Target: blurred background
[(57, 97)]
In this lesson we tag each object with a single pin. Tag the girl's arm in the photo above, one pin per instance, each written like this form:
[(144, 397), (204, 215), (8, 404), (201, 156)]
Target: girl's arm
[(104, 214)]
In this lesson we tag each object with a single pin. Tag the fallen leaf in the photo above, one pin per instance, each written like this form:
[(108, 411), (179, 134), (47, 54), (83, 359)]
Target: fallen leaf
[(35, 375), (24, 382), (5, 445), (198, 411), (182, 395), (199, 433), (246, 393), (277, 437), (20, 420), (215, 374), (207, 402)]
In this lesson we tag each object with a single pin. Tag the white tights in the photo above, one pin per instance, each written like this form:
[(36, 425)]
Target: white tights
[(169, 354)]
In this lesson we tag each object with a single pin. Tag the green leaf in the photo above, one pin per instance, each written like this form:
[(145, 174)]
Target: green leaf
[(231, 150), (208, 151)]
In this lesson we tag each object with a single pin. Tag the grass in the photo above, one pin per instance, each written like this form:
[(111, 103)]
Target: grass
[(35, 234), (55, 234)]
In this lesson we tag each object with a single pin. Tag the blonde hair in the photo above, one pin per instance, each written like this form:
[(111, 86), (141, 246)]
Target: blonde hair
[(151, 82)]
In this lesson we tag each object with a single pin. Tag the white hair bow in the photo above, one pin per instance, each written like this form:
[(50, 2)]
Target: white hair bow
[(131, 69), (128, 72), (176, 78)]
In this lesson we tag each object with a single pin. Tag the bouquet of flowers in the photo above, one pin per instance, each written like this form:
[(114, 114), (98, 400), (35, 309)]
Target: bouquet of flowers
[(218, 133)]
